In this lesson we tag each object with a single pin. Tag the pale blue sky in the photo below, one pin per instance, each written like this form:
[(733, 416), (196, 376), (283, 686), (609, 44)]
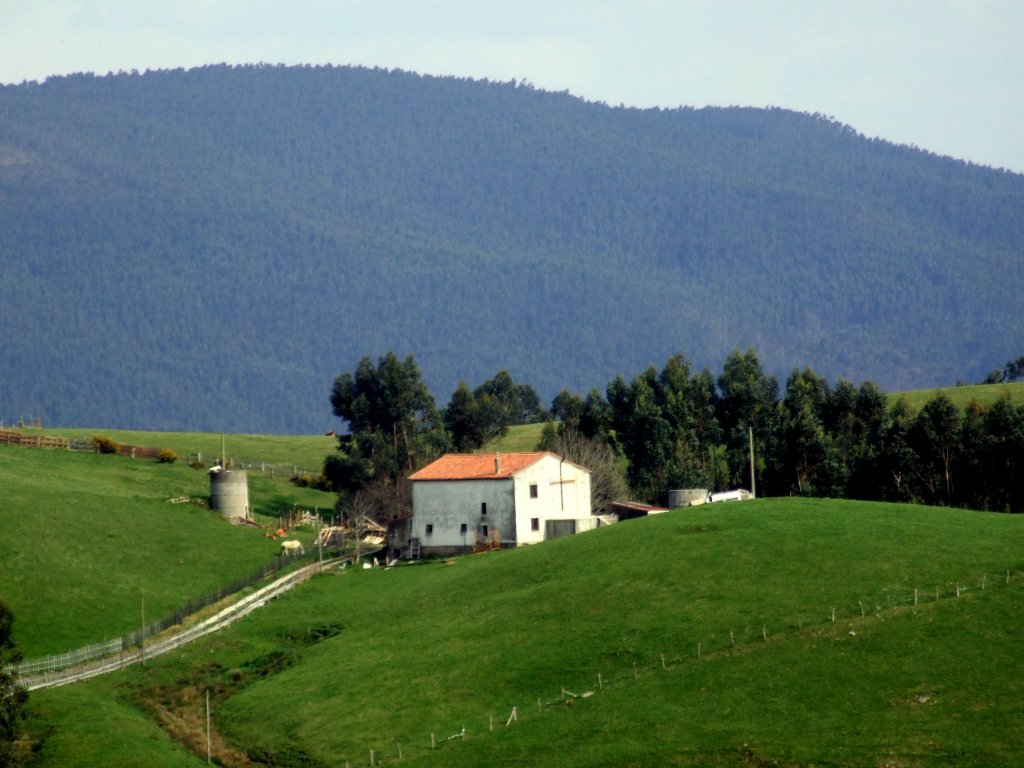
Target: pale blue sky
[(945, 75)]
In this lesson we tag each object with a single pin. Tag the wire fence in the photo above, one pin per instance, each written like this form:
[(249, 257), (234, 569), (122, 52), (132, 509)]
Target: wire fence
[(759, 634), (135, 639), (243, 607)]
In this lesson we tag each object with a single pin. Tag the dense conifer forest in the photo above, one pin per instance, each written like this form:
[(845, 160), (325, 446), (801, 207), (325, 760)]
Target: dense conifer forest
[(207, 249)]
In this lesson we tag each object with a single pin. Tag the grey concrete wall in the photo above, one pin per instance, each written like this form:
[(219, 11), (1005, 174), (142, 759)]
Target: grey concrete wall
[(447, 505)]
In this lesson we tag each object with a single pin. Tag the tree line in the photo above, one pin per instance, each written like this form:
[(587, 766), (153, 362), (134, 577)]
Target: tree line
[(679, 427)]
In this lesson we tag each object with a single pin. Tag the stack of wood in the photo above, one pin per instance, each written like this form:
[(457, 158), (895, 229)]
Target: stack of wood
[(333, 536)]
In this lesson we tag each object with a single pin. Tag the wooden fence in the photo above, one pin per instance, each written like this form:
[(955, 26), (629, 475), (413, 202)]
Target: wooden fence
[(10, 437)]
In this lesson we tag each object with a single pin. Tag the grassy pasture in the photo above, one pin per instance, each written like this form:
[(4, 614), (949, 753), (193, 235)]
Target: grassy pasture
[(88, 538), (304, 451), (522, 438), (985, 394), (372, 659)]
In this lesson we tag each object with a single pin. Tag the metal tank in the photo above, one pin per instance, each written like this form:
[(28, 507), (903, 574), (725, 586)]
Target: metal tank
[(685, 497)]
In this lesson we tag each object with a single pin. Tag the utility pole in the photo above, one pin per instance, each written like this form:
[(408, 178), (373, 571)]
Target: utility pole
[(320, 537), (753, 483), (142, 634), (208, 761)]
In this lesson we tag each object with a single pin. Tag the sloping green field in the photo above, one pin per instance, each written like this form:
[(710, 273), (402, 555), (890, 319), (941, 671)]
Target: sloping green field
[(786, 632), (90, 541), (984, 394), (706, 638), (304, 451)]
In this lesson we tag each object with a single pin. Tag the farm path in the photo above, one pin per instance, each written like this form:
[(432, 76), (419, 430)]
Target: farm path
[(223, 618)]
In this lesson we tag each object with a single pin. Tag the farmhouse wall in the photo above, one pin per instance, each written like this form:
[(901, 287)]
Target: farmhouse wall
[(447, 506), (562, 494)]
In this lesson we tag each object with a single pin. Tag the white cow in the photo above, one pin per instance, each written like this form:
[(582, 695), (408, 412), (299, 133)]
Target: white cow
[(292, 547)]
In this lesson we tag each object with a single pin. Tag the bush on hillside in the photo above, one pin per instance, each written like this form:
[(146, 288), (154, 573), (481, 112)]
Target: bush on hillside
[(166, 456), (319, 482), (103, 444)]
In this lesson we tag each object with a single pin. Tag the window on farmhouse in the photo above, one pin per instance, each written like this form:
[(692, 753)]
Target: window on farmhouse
[(534, 523), (463, 528), (430, 528), (533, 491), (483, 530), (483, 507)]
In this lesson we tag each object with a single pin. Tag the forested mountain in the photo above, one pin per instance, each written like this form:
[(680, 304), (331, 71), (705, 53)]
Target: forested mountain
[(208, 249)]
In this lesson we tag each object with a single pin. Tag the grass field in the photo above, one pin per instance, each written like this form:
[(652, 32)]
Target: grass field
[(303, 451), (786, 632), (737, 599), (984, 394), (520, 439), (90, 541)]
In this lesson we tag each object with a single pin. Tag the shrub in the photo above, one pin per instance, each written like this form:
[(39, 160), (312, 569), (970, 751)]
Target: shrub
[(306, 480), (103, 444), (166, 456)]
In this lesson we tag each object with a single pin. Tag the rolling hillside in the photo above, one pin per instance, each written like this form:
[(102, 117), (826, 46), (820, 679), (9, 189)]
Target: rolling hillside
[(90, 542), (208, 249), (787, 631)]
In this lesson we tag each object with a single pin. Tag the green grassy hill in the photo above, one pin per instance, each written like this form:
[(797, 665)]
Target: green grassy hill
[(984, 394), (706, 636), (88, 540), (304, 451)]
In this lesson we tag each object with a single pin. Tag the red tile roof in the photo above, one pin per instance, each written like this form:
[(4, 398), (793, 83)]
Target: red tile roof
[(478, 466)]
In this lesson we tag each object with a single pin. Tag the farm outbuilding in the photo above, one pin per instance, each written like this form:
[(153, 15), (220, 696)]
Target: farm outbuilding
[(463, 502), (628, 510)]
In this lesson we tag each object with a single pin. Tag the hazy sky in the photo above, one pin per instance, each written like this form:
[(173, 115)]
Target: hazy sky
[(946, 75)]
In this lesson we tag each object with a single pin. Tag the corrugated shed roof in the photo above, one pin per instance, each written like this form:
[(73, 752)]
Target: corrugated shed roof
[(637, 506), (478, 466)]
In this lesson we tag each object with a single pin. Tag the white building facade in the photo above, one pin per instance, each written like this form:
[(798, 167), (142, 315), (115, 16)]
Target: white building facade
[(464, 501)]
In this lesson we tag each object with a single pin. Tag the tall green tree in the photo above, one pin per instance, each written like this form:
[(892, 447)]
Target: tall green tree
[(748, 401), (935, 437), (807, 445), (12, 696), (517, 403), (473, 418), (394, 427), (897, 461), (1004, 455)]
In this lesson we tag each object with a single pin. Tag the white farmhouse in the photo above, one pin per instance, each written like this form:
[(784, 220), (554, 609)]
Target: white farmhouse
[(466, 501)]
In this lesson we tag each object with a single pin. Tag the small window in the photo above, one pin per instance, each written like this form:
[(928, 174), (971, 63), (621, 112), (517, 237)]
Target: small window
[(463, 528), (533, 491), (534, 523), (430, 528), (483, 530), (483, 508)]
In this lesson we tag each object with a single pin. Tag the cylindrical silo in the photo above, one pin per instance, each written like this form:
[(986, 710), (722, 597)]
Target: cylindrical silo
[(229, 492), (685, 497)]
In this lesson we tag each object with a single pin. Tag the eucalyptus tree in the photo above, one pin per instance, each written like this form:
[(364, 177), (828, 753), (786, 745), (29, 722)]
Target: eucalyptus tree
[(393, 427)]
